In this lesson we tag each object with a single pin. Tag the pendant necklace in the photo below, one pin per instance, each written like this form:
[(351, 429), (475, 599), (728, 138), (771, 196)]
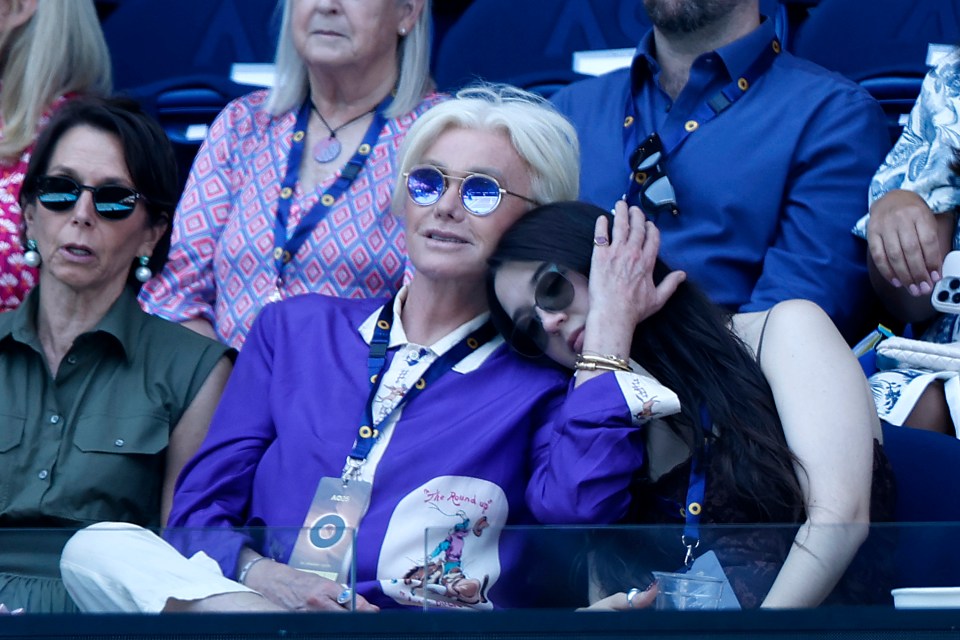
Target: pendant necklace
[(328, 149)]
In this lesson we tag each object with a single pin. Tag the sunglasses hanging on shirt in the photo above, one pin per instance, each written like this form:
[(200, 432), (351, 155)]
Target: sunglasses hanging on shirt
[(650, 183), (650, 187)]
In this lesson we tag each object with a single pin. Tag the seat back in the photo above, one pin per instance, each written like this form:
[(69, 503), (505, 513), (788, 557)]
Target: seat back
[(185, 106), (925, 467), (882, 44), (152, 41), (502, 40), (880, 38), (175, 58)]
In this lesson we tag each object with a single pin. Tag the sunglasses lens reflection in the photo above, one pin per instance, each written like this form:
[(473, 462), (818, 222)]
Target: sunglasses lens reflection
[(59, 193), (114, 202), (652, 160), (425, 185), (480, 194), (660, 192)]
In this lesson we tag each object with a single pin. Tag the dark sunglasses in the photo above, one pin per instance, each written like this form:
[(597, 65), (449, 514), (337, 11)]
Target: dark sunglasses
[(554, 292), (656, 193), (112, 202), (479, 193)]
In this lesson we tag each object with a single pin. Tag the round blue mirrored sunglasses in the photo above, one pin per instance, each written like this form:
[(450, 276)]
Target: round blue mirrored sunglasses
[(479, 193)]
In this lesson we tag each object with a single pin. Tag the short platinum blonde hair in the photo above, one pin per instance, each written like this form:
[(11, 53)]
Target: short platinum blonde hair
[(542, 137), (59, 50), (413, 58)]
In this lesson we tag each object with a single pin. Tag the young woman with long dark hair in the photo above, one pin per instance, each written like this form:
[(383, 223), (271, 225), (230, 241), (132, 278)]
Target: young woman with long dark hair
[(774, 410)]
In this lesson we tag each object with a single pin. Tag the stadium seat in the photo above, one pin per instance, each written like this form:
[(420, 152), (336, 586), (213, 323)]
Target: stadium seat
[(925, 467), (503, 40), (881, 44), (185, 106), (175, 58), (152, 41)]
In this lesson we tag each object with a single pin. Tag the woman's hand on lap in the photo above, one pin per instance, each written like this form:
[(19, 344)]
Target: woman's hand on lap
[(299, 590)]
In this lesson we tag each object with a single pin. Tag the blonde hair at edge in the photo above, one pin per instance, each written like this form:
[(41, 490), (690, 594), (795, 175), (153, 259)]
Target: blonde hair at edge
[(543, 138), (413, 84), (59, 50)]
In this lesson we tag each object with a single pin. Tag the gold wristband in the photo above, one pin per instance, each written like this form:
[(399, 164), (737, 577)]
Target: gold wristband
[(584, 364), (607, 363)]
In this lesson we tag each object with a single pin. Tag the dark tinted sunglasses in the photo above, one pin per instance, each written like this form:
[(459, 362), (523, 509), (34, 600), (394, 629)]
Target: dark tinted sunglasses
[(479, 193), (112, 202), (554, 292), (656, 192)]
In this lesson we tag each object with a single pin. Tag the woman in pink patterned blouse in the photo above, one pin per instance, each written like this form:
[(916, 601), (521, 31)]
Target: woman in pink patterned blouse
[(290, 192), (49, 51)]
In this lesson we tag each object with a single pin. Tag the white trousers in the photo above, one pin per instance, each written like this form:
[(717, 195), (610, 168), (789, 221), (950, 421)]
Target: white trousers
[(115, 567)]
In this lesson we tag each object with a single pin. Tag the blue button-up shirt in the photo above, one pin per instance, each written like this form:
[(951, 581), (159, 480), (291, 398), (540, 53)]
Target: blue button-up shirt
[(767, 190)]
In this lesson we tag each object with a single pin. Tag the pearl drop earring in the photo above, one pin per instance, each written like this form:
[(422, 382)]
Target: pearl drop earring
[(31, 256), (143, 272)]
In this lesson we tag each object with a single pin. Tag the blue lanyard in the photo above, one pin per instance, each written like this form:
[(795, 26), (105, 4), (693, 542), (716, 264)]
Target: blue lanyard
[(285, 248), (672, 137), (368, 434), (695, 491)]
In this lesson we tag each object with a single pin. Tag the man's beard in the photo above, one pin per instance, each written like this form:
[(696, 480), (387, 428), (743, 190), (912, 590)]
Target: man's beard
[(686, 16)]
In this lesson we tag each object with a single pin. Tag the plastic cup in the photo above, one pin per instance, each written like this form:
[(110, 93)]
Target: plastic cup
[(687, 591)]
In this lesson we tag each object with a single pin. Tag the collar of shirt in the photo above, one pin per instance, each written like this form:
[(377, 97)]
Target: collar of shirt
[(120, 325), (398, 337), (736, 56)]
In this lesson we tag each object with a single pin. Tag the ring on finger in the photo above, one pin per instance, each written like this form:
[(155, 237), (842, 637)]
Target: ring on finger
[(345, 596), (633, 593), (601, 241)]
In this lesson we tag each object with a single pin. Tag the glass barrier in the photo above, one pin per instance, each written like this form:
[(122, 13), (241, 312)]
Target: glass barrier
[(637, 566), (122, 568), (471, 565)]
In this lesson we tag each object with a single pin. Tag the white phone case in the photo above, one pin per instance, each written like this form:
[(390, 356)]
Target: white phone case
[(946, 293)]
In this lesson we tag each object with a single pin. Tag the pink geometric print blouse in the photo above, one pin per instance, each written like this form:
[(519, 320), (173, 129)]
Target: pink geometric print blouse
[(221, 266)]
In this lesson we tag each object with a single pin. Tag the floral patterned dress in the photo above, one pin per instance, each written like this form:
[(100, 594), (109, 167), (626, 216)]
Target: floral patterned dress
[(921, 162), (16, 278)]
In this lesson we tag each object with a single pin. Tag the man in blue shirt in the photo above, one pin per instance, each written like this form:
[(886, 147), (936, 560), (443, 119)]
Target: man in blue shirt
[(769, 175)]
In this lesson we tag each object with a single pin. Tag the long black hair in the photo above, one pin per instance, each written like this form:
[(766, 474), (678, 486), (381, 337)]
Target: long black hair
[(689, 347)]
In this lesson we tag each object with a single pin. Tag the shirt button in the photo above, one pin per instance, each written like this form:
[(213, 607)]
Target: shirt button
[(118, 442), (43, 474), (55, 418), (71, 359)]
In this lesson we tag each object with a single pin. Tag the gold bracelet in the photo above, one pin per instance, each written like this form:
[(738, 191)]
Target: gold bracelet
[(591, 364), (609, 359), (608, 363)]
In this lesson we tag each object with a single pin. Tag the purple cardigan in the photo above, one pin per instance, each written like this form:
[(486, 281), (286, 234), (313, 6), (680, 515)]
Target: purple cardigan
[(503, 441)]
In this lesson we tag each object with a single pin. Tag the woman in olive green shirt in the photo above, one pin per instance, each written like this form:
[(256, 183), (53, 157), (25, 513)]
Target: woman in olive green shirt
[(100, 403)]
